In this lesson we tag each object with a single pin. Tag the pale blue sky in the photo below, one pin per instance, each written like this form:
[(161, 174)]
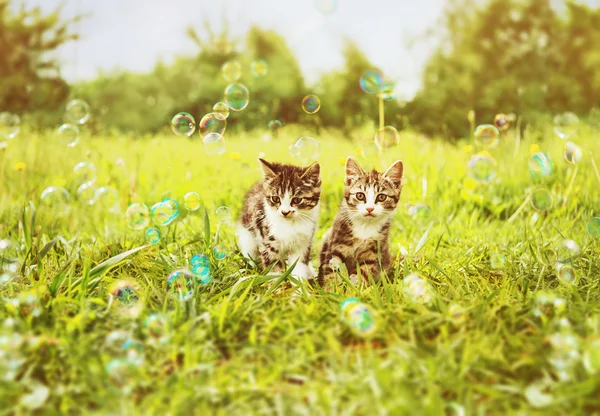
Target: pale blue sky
[(133, 34)]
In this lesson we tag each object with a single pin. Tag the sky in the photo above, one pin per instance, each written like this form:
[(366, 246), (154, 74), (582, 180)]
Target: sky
[(133, 34)]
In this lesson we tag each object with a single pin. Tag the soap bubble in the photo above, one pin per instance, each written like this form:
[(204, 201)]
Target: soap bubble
[(482, 167), (84, 172), (212, 123), (370, 82), (564, 355), (231, 70), (237, 96), (502, 122), (306, 149), (417, 288), (326, 6), (221, 109), (388, 92), (548, 256), (565, 272), (10, 125), (497, 260), (419, 212), (591, 357), (486, 135), (57, 199), (122, 372), (593, 227), (311, 104), (573, 153), (540, 165), (223, 215), (275, 125), (107, 198), (77, 112), (457, 312), (202, 273), (183, 124), (214, 144), (541, 200), (165, 212), (152, 235), (137, 216), (386, 137), (259, 68), (567, 251), (359, 317), (157, 329), (201, 259), (68, 135), (134, 351), (86, 192), (566, 125), (125, 292), (549, 305), (179, 284), (219, 252), (191, 201), (369, 151)]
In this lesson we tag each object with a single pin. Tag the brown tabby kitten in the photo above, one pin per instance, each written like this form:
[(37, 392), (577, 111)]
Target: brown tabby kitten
[(360, 231), (279, 217)]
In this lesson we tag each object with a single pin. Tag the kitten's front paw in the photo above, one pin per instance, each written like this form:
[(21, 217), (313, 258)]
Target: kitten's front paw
[(303, 271)]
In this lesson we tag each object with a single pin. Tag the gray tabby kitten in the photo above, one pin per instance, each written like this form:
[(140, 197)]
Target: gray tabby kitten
[(279, 217), (360, 231)]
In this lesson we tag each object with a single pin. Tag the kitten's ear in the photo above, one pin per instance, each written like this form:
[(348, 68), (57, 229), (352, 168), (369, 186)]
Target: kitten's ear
[(312, 171), (394, 173), (267, 168), (353, 170)]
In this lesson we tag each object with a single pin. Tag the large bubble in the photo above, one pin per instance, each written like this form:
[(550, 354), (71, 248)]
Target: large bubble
[(237, 97), (183, 124), (566, 125), (77, 112), (212, 123)]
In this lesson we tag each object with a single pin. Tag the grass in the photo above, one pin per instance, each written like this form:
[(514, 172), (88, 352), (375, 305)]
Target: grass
[(237, 348)]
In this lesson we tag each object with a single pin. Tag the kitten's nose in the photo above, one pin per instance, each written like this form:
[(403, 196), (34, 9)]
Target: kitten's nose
[(286, 213), (369, 210)]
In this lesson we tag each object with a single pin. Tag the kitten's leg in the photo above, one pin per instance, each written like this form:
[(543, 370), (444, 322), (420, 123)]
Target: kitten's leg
[(369, 265), (303, 269), (337, 248), (247, 242), (270, 256)]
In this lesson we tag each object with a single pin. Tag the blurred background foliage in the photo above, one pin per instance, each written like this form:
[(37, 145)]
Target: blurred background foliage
[(520, 56)]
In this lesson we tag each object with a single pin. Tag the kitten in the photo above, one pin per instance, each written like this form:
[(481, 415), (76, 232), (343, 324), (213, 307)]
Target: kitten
[(360, 231), (279, 217)]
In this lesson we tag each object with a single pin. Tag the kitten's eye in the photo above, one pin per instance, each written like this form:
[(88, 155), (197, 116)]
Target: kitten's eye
[(296, 201), (275, 199), (360, 196), (381, 197)]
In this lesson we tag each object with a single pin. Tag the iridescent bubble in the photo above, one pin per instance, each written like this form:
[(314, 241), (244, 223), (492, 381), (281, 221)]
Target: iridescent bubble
[(549, 305), (540, 165), (293, 150), (220, 252), (502, 122), (200, 259), (77, 112), (359, 318), (125, 292), (86, 192), (237, 97), (56, 199), (482, 167), (152, 235), (231, 70), (221, 109), (486, 135), (565, 272), (84, 172), (548, 256), (275, 125), (386, 137), (68, 135), (457, 312), (567, 251), (107, 198), (306, 149), (326, 6), (179, 284), (191, 201), (223, 215), (259, 68), (213, 144), (311, 104), (134, 351), (157, 328), (165, 212), (10, 125), (417, 288), (202, 273), (388, 92), (122, 372), (137, 216), (591, 357), (183, 124), (369, 151), (212, 123), (371, 82), (593, 227), (566, 125), (497, 260), (541, 200), (573, 153)]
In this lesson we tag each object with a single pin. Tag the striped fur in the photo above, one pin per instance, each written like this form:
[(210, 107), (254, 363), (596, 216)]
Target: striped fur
[(279, 217), (359, 237)]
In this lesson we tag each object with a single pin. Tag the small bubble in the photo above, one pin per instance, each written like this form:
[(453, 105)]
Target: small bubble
[(486, 135), (107, 198), (137, 216), (311, 104), (183, 124), (179, 284), (482, 167), (212, 123), (68, 135), (566, 125), (567, 251), (306, 149), (359, 317), (219, 252), (86, 192), (502, 122), (125, 292), (420, 212), (417, 288), (214, 144), (223, 215), (77, 112), (371, 82), (231, 70), (157, 329), (259, 68), (165, 212), (540, 165), (202, 273), (547, 304), (275, 125), (386, 137), (573, 153), (565, 272), (221, 109), (388, 92), (541, 200), (191, 201), (152, 235), (57, 199), (237, 97), (548, 256), (84, 172)]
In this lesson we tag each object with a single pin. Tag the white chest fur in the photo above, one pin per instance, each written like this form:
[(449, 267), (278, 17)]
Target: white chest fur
[(292, 234), (367, 229)]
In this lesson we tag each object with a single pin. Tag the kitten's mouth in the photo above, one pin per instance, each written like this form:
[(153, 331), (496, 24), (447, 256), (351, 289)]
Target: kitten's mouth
[(369, 215)]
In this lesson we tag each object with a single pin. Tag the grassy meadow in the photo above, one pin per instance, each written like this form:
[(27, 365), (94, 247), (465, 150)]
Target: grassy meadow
[(481, 346)]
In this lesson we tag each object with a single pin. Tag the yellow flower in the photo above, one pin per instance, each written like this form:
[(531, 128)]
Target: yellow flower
[(468, 148), (343, 161), (20, 166), (235, 155), (358, 151), (534, 148)]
